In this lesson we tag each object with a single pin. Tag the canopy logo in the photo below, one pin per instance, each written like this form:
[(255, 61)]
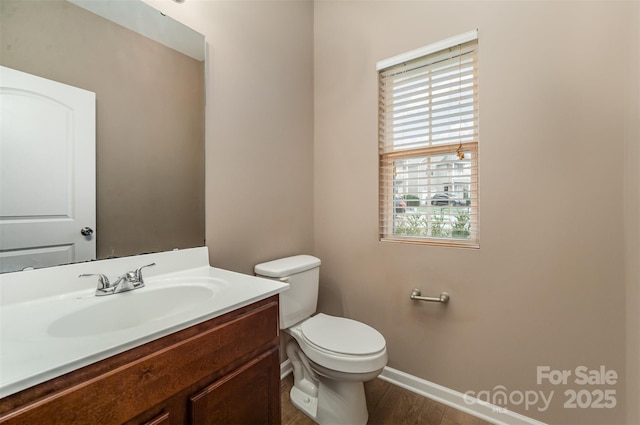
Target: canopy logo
[(588, 397), (499, 398)]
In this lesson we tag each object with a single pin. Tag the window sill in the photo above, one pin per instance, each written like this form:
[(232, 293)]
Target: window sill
[(432, 242)]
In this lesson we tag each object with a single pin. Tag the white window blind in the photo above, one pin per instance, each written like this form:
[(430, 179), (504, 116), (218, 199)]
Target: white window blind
[(428, 145)]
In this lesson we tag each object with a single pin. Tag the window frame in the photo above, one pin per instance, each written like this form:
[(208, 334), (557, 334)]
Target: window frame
[(388, 194)]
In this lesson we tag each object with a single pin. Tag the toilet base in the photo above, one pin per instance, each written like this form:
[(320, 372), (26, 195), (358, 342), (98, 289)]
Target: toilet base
[(338, 403), (341, 403), (305, 403)]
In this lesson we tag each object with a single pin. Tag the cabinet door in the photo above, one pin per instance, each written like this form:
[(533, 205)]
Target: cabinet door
[(249, 395), (161, 419)]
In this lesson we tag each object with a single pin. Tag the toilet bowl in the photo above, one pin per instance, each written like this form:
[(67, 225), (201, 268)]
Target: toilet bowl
[(334, 355), (331, 356)]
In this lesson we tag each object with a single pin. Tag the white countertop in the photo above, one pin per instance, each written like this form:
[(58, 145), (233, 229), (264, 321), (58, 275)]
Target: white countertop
[(33, 351)]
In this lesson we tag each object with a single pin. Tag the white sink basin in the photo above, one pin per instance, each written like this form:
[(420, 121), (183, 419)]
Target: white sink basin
[(113, 313), (52, 323)]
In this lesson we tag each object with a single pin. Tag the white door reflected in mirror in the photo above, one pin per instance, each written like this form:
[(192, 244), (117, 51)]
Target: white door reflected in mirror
[(47, 172)]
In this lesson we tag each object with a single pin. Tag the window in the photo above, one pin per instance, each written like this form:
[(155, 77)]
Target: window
[(428, 144)]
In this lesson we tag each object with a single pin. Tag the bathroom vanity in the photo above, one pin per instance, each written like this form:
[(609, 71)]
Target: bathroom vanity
[(214, 361)]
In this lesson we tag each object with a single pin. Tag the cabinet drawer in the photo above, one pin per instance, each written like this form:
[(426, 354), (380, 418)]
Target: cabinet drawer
[(118, 395)]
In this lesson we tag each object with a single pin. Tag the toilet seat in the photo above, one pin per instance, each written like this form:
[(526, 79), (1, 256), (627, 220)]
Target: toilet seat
[(333, 342), (341, 335)]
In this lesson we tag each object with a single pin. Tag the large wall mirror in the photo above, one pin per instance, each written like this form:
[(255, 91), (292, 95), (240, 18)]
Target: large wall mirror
[(150, 101)]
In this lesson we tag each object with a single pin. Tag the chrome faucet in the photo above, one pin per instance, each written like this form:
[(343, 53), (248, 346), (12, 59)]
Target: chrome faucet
[(127, 282)]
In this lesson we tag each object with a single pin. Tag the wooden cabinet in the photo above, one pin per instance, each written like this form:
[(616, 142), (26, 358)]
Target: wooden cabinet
[(222, 371)]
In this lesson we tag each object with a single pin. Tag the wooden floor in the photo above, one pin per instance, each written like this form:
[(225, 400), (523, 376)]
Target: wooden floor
[(388, 405)]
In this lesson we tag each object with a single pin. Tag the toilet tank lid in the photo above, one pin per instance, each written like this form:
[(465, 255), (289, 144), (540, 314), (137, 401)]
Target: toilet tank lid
[(287, 266)]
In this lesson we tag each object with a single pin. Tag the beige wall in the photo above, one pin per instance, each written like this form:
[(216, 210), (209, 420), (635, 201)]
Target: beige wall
[(149, 124), (259, 136), (547, 286), (632, 216)]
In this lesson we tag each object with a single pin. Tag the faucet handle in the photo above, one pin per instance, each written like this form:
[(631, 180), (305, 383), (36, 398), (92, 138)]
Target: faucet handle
[(138, 272), (103, 281)]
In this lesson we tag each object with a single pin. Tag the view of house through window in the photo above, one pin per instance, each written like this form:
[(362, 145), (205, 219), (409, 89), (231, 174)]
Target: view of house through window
[(428, 144)]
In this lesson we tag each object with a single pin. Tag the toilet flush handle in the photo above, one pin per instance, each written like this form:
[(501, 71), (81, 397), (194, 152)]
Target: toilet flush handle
[(284, 279)]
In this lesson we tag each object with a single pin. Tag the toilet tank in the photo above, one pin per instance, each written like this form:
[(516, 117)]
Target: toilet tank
[(301, 299)]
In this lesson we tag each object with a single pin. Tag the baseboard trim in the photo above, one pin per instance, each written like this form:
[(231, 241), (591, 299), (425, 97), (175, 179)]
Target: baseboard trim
[(478, 408), (285, 369), (472, 406)]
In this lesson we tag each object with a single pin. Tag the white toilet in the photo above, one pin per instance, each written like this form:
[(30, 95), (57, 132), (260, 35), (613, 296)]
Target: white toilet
[(331, 356)]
